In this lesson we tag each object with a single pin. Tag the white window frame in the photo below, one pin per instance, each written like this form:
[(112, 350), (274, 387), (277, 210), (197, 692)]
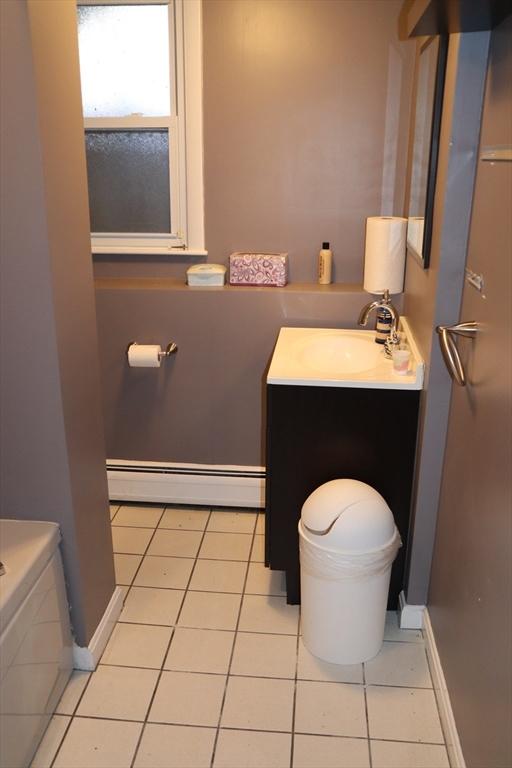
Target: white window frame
[(185, 127)]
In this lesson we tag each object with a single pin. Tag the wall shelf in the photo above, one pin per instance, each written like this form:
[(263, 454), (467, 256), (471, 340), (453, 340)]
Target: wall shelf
[(174, 284)]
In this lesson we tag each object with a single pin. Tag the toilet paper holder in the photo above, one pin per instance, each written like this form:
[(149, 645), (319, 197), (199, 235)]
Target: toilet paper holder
[(170, 349)]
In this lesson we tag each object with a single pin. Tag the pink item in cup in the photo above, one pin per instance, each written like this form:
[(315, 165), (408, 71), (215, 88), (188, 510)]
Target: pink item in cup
[(401, 359)]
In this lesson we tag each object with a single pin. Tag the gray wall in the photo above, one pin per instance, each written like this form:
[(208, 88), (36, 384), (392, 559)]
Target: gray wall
[(52, 441), (305, 130), (204, 405), (433, 296), (305, 136), (471, 584)]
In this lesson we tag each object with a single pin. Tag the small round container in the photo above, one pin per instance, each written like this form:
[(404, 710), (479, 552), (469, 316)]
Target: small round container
[(401, 357)]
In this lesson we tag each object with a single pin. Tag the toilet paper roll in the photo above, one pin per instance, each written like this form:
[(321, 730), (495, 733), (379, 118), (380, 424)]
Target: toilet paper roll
[(144, 355), (384, 258)]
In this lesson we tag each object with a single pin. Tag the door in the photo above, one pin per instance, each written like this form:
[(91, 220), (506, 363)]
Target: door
[(470, 590)]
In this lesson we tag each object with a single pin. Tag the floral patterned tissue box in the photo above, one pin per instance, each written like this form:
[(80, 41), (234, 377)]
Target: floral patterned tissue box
[(258, 269)]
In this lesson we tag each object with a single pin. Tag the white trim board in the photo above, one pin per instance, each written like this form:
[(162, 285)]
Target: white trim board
[(87, 657), (171, 483), (453, 746)]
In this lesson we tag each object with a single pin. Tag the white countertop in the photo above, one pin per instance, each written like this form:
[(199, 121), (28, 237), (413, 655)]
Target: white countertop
[(334, 357)]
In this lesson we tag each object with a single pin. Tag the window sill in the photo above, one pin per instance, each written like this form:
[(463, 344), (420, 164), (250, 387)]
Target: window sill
[(154, 250)]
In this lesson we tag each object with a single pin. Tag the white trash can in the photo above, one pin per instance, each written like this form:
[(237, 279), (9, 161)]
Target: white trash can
[(348, 541)]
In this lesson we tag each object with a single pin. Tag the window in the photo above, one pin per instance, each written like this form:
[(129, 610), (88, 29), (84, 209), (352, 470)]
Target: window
[(140, 65)]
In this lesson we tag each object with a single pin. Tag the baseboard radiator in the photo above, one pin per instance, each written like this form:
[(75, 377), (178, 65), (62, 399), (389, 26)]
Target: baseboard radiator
[(199, 484)]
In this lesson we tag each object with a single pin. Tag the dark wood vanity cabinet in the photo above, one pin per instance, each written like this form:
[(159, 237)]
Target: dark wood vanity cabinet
[(316, 434)]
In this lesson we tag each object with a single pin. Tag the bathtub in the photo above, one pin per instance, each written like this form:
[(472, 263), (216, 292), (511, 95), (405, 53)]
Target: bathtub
[(35, 636)]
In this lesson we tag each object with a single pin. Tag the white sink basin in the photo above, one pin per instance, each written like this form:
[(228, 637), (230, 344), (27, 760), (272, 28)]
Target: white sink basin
[(337, 353), (332, 357)]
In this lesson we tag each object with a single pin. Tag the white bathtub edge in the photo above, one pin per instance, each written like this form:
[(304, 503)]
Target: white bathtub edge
[(87, 657)]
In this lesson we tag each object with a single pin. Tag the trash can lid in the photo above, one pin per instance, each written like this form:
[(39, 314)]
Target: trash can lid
[(347, 515)]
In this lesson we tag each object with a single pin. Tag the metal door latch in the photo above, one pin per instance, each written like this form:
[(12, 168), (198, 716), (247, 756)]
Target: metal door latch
[(449, 349)]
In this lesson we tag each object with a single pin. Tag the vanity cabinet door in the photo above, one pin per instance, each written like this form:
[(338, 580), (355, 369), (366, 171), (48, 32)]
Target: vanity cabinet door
[(317, 434)]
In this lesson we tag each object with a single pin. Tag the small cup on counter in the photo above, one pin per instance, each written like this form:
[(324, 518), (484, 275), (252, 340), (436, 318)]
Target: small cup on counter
[(401, 357)]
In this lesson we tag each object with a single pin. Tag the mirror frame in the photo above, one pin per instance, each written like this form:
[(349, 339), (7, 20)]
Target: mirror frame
[(437, 109)]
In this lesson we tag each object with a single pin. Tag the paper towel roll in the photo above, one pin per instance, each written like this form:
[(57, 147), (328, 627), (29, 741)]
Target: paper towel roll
[(384, 258), (144, 355)]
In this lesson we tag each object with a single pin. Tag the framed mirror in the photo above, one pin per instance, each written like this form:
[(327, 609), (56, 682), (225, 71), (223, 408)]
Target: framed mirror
[(430, 72)]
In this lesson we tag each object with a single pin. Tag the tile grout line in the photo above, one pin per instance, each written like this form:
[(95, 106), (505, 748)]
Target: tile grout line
[(65, 733), (366, 715), (130, 585), (71, 718), (221, 711), (173, 627), (163, 507), (189, 557), (253, 631), (164, 659), (207, 591), (243, 631), (250, 677), (99, 660), (177, 527), (154, 528), (248, 730), (142, 556), (441, 724), (292, 746), (253, 730)]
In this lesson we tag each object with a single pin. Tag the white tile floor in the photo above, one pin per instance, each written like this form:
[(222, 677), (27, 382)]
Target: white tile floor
[(206, 667)]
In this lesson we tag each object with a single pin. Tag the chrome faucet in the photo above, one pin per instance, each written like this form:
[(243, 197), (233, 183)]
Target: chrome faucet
[(393, 339)]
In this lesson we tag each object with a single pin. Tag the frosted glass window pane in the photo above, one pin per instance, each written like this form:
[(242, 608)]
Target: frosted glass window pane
[(128, 175), (124, 59)]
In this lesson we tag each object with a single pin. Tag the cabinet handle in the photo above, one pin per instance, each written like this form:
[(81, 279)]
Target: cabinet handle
[(449, 348)]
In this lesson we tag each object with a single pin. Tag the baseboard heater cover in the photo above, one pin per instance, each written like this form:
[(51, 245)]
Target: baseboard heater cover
[(173, 483)]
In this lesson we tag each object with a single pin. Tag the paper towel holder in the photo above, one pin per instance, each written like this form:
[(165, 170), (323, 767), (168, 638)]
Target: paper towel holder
[(170, 349)]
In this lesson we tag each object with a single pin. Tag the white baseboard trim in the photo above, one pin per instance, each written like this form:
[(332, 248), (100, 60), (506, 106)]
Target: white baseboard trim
[(455, 754), (168, 483), (86, 658), (409, 616)]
